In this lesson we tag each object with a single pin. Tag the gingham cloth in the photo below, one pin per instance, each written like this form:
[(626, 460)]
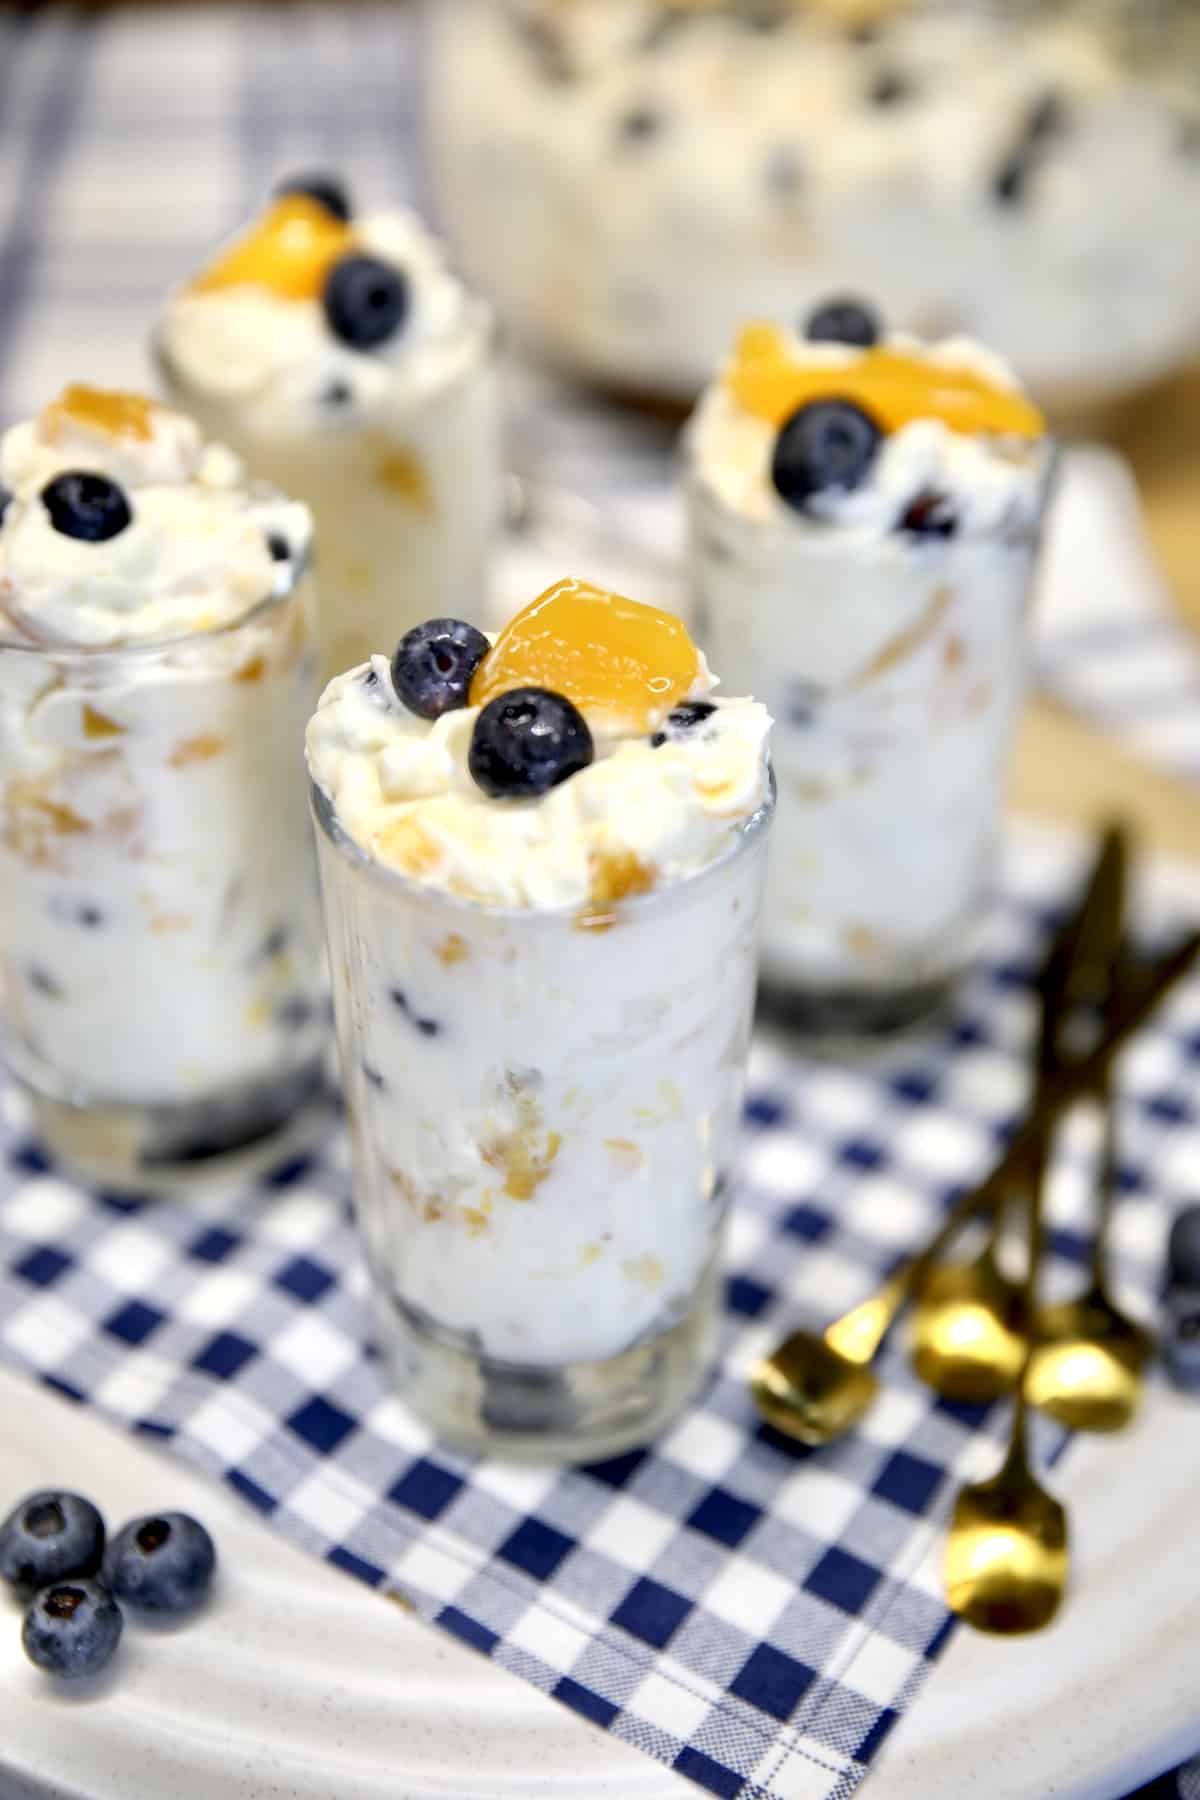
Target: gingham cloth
[(751, 1615), (754, 1616)]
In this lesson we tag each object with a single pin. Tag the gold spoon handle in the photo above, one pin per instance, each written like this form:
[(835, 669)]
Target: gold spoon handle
[(859, 1333)]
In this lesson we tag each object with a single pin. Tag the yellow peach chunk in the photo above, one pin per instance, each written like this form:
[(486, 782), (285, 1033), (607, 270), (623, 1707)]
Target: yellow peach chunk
[(198, 749), (97, 724), (614, 658), (403, 473), (767, 380), (109, 410), (289, 251)]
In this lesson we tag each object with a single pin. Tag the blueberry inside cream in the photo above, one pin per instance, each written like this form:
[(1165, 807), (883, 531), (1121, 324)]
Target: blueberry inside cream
[(566, 745)]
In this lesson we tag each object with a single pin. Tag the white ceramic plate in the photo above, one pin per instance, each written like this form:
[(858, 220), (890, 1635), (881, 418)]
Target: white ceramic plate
[(299, 1684)]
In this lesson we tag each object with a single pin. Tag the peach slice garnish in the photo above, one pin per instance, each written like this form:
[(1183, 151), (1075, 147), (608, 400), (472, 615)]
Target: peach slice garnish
[(767, 379), (617, 660), (289, 251)]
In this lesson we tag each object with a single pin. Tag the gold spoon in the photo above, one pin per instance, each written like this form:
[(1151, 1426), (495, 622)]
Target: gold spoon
[(813, 1387), (969, 1327), (968, 1342), (1086, 1369), (1006, 1553)]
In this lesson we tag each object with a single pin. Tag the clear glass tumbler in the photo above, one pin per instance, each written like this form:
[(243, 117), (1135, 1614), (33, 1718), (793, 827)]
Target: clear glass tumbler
[(160, 936), (406, 499), (894, 669), (543, 1109)]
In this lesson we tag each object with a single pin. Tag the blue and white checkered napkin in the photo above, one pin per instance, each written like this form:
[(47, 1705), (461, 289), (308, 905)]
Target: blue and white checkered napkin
[(752, 1615)]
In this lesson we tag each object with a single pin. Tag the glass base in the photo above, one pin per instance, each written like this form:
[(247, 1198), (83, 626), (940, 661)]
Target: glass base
[(235, 1132), (850, 1011), (573, 1412)]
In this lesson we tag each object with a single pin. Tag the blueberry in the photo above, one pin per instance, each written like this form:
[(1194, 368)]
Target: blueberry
[(929, 515), (1183, 1249), (1012, 178), (434, 664), (1047, 118), (86, 506), (640, 124), (783, 172), (5, 497), (48, 1536), (544, 43), (72, 1628), (682, 719), (527, 741), (890, 88), (826, 446), (427, 1027), (1179, 1338), (843, 321), (326, 190), (365, 301), (163, 1563)]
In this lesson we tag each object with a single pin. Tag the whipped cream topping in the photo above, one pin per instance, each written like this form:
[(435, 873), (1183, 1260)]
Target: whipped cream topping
[(993, 486), (640, 817), (276, 358), (195, 555)]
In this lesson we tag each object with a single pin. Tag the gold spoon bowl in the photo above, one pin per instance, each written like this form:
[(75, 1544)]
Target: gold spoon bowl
[(1006, 1556), (810, 1391), (1086, 1367), (967, 1337)]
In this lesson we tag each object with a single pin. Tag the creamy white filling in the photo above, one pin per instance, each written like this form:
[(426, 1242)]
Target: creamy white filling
[(675, 807), (195, 555), (774, 176), (277, 362), (992, 486)]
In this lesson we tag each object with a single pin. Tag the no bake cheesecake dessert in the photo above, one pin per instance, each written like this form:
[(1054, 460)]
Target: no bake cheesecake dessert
[(630, 179), (864, 513), (542, 861), (159, 928), (347, 365)]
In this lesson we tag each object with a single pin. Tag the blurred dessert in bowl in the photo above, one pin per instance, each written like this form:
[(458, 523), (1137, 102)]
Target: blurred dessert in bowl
[(864, 512), (542, 862), (341, 358), (629, 179), (159, 930)]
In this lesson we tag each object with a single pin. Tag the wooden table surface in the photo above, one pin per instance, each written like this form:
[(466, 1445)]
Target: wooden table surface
[(1066, 769)]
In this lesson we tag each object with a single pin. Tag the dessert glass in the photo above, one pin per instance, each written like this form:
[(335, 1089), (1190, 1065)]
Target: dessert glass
[(542, 1109), (393, 447), (864, 513), (894, 671), (541, 860), (160, 937)]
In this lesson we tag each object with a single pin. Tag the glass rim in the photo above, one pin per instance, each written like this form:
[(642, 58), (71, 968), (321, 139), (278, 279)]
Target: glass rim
[(747, 834), (288, 578)]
